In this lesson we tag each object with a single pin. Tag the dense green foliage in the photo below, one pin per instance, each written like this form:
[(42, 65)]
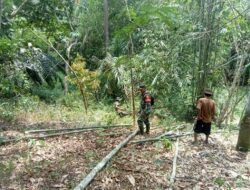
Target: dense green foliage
[(177, 48)]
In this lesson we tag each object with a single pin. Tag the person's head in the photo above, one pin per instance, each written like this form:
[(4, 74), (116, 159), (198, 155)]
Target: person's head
[(208, 93), (142, 88)]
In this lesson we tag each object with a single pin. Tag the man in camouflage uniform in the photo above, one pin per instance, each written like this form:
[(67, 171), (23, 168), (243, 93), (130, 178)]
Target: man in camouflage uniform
[(145, 109)]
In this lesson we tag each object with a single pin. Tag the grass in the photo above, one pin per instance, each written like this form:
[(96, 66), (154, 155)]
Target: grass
[(6, 169), (31, 110)]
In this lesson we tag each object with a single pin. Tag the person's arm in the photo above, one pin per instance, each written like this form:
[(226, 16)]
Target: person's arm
[(198, 107), (147, 100), (214, 112)]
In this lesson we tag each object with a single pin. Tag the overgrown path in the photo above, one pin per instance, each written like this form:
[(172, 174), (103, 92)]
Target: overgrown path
[(62, 162)]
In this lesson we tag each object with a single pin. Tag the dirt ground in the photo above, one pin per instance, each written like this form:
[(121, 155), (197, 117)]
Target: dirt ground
[(62, 162)]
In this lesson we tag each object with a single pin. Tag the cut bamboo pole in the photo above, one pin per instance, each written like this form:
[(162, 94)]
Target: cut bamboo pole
[(159, 138), (42, 136), (4, 142), (73, 129), (86, 181), (112, 134), (174, 165)]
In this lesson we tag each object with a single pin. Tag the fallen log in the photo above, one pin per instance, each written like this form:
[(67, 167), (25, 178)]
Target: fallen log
[(161, 137), (86, 181), (73, 129), (174, 165)]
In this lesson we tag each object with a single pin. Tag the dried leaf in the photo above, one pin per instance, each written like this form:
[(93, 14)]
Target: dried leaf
[(131, 179)]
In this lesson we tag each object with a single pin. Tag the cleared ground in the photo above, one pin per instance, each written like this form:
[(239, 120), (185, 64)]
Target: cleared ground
[(62, 162)]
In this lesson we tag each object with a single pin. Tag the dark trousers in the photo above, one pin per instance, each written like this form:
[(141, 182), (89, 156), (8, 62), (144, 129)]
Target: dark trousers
[(143, 119), (202, 127)]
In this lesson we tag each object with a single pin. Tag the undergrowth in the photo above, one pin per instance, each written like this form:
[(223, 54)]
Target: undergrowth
[(30, 109)]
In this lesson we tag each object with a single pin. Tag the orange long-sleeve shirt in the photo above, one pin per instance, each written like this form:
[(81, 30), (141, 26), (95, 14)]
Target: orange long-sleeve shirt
[(206, 107)]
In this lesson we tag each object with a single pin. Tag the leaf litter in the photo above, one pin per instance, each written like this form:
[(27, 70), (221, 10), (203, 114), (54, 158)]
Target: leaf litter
[(62, 162)]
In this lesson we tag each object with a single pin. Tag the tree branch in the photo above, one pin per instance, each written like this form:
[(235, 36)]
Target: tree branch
[(14, 13)]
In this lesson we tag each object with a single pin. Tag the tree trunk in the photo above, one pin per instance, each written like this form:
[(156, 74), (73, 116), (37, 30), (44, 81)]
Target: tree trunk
[(237, 74), (1, 12), (207, 12), (131, 53), (65, 82), (106, 24), (66, 87), (132, 96), (243, 143), (232, 90)]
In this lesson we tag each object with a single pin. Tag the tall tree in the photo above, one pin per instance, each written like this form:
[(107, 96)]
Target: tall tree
[(106, 24), (244, 134), (1, 12), (205, 26)]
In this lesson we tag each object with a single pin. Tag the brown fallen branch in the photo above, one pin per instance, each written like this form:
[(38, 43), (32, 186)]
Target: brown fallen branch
[(161, 137), (86, 181), (74, 129), (172, 177)]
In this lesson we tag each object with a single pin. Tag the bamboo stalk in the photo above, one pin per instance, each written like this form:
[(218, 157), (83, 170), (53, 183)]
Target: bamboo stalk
[(174, 165), (112, 134), (10, 141), (58, 134), (72, 129), (160, 138), (86, 181), (75, 130)]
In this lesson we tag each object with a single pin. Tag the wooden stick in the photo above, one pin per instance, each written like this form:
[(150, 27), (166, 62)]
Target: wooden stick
[(174, 165), (72, 129), (86, 181)]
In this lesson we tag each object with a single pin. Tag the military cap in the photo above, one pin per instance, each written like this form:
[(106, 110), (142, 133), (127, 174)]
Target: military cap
[(142, 86)]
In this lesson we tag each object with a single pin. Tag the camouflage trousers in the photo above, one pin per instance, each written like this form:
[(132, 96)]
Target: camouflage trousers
[(143, 118)]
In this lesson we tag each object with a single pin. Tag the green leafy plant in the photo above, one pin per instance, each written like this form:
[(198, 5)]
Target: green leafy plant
[(84, 79), (167, 144)]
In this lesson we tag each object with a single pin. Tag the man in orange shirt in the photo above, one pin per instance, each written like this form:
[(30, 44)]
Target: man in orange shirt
[(206, 114)]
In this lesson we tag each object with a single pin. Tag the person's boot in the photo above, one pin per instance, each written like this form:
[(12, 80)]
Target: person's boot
[(141, 129)]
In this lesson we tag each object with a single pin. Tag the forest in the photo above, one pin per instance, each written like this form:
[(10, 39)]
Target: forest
[(81, 81)]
